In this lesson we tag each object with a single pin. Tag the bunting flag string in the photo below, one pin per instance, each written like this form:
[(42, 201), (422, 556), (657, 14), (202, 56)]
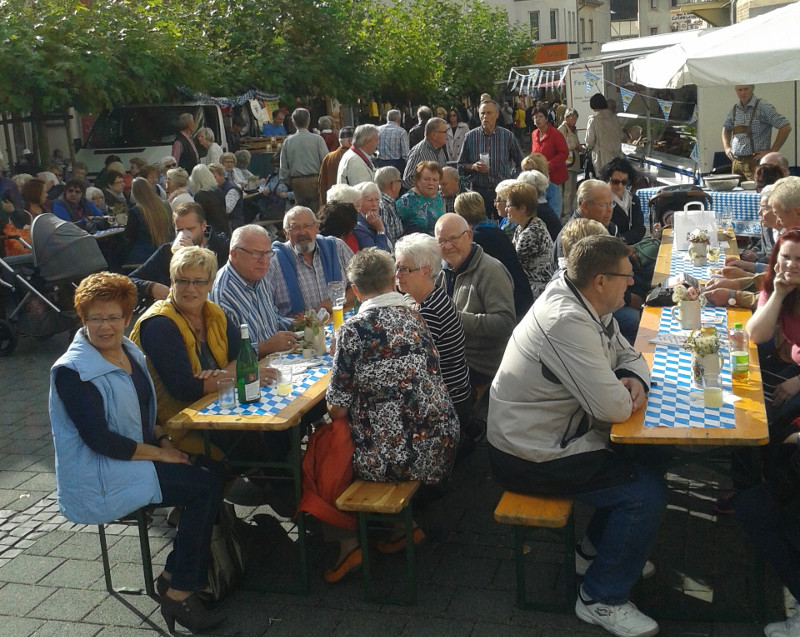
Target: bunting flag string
[(627, 98), (666, 108), (226, 101)]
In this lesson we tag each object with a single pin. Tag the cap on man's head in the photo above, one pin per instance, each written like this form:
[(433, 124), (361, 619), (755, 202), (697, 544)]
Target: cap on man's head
[(346, 132)]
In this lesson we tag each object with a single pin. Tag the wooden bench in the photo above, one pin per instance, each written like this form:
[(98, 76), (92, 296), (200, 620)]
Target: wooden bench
[(375, 500), (543, 512)]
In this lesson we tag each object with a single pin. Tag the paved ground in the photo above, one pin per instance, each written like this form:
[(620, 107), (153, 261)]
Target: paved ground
[(51, 580)]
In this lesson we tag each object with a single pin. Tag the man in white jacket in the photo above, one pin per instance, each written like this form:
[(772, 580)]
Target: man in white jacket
[(566, 375)]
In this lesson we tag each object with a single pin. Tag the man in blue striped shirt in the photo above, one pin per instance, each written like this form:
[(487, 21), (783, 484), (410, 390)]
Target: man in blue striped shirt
[(392, 142), (489, 155), (241, 289)]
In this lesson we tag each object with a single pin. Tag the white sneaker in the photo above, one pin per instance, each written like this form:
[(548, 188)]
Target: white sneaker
[(583, 562), (788, 628), (624, 620)]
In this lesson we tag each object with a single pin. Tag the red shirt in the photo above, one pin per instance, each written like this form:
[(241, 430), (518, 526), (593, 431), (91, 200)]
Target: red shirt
[(554, 147)]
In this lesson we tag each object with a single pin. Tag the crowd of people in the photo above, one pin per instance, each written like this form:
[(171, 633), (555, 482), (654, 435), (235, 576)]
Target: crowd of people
[(493, 318)]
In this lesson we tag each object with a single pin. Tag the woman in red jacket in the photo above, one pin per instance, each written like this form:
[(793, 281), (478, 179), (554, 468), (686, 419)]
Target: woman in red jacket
[(550, 142)]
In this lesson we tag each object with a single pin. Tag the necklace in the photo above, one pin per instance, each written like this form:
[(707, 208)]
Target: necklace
[(120, 362)]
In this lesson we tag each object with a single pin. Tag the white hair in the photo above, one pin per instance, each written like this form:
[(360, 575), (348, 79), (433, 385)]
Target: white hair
[(535, 179), (344, 194)]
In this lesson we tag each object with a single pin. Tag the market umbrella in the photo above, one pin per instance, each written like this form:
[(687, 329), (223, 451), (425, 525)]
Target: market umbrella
[(757, 51)]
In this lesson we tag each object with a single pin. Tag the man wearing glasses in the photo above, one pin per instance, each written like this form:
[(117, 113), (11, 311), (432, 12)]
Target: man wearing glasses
[(432, 148), (241, 289), (595, 201), (152, 277), (566, 375), (483, 292), (305, 264)]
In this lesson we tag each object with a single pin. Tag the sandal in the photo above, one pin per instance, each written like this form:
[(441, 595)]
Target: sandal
[(350, 563), (398, 544)]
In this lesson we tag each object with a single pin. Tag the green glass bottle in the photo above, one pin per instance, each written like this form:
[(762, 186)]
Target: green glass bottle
[(247, 381)]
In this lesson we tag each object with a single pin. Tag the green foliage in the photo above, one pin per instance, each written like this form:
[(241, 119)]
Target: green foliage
[(61, 53)]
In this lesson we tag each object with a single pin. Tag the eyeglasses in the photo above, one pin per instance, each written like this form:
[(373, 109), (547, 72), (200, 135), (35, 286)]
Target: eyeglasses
[(444, 241), (308, 226), (401, 270), (618, 182), (185, 283), (257, 254), (115, 320), (603, 204), (620, 274)]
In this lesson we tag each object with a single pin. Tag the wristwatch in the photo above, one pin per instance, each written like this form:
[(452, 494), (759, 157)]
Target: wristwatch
[(732, 299), (163, 437), (380, 233)]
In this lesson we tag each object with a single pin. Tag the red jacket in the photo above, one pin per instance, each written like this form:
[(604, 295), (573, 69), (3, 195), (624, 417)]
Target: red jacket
[(554, 147)]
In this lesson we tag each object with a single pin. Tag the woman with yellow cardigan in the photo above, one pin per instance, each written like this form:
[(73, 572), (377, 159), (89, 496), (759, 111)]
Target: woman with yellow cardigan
[(189, 342)]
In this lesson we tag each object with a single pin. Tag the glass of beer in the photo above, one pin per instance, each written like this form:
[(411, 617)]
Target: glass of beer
[(336, 291)]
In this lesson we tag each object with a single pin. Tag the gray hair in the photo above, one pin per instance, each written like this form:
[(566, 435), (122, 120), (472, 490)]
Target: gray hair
[(326, 121), (206, 133), (367, 187), (201, 179), (495, 104), (343, 194), (586, 189), (535, 179), (184, 120), (570, 112), (364, 133), (386, 175), (371, 270), (290, 214), (424, 113), (786, 193), (594, 255), (165, 161), (251, 229), (243, 158), (422, 250), (393, 115), (179, 177), (433, 123), (92, 192), (301, 117)]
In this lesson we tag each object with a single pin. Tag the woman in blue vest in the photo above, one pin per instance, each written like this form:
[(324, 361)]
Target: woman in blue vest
[(111, 457)]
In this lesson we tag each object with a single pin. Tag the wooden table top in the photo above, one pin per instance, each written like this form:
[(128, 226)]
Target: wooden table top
[(751, 419)]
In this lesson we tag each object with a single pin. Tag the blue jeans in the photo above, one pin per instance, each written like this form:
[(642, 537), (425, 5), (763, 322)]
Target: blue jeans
[(623, 529), (628, 320), (198, 489)]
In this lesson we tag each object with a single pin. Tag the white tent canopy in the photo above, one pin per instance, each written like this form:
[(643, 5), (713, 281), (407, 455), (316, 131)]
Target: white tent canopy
[(757, 51)]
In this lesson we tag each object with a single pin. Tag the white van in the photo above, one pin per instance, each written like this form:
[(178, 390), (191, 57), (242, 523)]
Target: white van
[(145, 131)]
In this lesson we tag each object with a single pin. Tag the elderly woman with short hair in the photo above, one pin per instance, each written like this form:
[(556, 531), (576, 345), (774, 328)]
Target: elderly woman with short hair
[(421, 206), (537, 161), (177, 187), (370, 231), (327, 132), (544, 211), (386, 381), (418, 261), (113, 457), (205, 138), (531, 240)]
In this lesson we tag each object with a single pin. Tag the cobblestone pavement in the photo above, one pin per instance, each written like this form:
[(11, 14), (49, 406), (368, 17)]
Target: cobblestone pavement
[(51, 578)]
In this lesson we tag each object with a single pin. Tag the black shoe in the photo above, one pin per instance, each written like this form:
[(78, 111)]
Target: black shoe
[(189, 613), (162, 584)]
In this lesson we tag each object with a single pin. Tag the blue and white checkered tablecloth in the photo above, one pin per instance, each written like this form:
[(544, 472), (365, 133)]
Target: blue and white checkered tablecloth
[(680, 263), (743, 205), (669, 402), (271, 403)]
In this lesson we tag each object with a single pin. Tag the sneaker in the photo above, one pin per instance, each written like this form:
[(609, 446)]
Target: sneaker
[(726, 503), (624, 620), (583, 562), (789, 628)]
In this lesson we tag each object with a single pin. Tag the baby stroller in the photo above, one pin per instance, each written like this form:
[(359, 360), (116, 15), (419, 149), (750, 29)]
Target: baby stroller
[(37, 288), (667, 200)]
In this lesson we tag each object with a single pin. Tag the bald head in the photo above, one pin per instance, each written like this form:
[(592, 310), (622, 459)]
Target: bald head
[(777, 159), (454, 237)]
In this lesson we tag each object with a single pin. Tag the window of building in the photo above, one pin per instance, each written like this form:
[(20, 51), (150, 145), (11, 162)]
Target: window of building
[(553, 24), (534, 19), (583, 30), (653, 30), (654, 4), (591, 30)]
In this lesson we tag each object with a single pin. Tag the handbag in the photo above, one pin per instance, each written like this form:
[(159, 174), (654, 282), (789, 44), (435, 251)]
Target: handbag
[(588, 166), (226, 560)]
